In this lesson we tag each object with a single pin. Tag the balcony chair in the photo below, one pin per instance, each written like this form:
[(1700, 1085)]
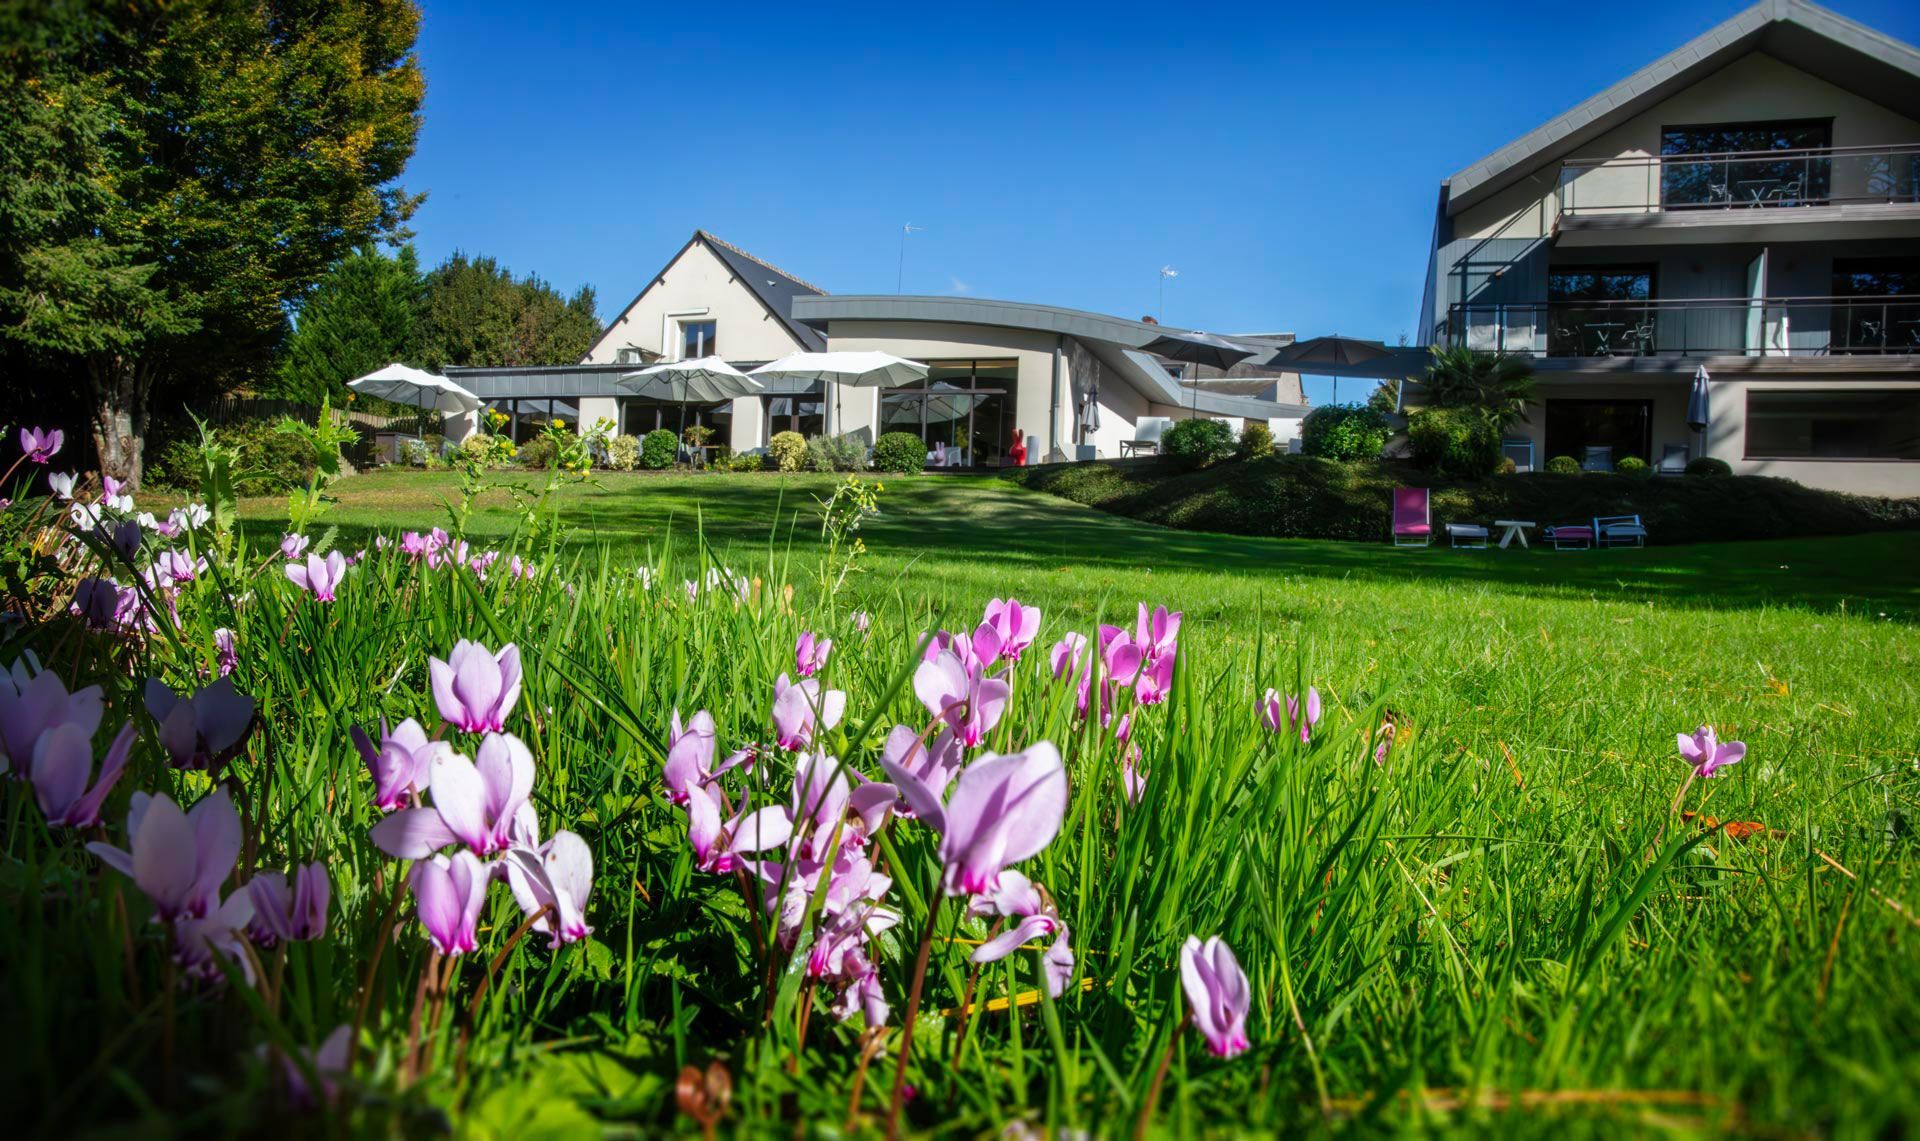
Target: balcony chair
[(1639, 338), (1673, 459), (1146, 436), (1597, 459), (1412, 517), (1619, 531)]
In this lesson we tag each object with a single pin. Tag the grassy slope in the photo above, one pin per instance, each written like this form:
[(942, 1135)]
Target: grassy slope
[(1540, 694)]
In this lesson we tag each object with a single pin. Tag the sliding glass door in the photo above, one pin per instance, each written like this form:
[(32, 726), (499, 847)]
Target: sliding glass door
[(964, 410)]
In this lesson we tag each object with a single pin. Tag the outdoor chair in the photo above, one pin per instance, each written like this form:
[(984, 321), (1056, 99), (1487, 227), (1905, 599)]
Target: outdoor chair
[(1471, 535), (1598, 459), (1571, 537), (1619, 531), (1673, 459), (1639, 338), (1146, 436), (1412, 519)]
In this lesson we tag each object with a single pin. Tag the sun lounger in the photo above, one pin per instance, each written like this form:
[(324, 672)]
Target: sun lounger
[(1619, 531), (1571, 537), (1412, 523), (1466, 535)]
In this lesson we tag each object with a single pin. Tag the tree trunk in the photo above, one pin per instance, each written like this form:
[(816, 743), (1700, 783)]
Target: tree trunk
[(119, 409)]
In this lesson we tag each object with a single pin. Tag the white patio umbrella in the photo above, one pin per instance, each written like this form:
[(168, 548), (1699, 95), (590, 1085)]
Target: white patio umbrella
[(705, 379), (851, 369), (403, 384)]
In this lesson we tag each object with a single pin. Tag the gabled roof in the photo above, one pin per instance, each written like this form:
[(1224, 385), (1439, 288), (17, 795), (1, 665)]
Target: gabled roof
[(772, 286), (1851, 56)]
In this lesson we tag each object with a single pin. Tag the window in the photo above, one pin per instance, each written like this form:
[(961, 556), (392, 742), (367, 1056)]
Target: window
[(1593, 431), (527, 418), (804, 412), (964, 408), (1598, 311), (642, 414), (1723, 164), (1870, 321), (1851, 424), (697, 339)]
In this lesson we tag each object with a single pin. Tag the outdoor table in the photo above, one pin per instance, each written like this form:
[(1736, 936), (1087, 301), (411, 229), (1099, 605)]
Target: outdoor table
[(1603, 336), (1761, 188), (1512, 529)]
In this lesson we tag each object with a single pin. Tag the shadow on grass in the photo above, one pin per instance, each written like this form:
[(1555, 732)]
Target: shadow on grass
[(986, 521)]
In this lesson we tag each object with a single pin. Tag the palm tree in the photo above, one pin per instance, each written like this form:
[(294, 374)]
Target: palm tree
[(1496, 384)]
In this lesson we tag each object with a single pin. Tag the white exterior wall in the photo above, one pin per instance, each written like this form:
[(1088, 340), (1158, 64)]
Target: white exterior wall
[(699, 286), (1727, 435), (599, 408)]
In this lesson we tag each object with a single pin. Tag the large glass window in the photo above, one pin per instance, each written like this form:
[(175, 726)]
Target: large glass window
[(1724, 164), (1592, 311), (1870, 321), (698, 339), (642, 414), (964, 410), (802, 412), (1849, 424), (1600, 433)]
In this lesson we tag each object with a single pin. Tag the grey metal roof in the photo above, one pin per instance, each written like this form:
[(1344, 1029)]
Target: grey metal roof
[(1115, 340), (1849, 55), (775, 288)]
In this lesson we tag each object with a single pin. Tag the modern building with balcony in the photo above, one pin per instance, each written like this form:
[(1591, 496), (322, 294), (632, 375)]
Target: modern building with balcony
[(1750, 204)]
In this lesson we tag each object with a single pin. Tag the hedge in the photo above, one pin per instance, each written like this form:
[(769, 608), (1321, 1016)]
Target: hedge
[(1311, 497)]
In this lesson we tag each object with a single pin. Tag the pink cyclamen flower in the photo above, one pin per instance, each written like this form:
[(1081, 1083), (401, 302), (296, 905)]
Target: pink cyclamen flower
[(721, 846), (318, 576), (293, 546), (1035, 917), (481, 803), (225, 652), (1004, 809), (1158, 631), (1016, 625), (1218, 994), (61, 484), (329, 1063), (413, 545), (124, 536), (41, 445), (1707, 753), (961, 693), (1133, 782), (557, 876), (62, 761), (201, 731), (801, 709), (400, 764), (690, 751), (200, 941), (1273, 711), (98, 601), (177, 566), (179, 859), (862, 622), (475, 688), (1067, 653), (448, 892), (810, 653), (932, 766), (34, 701), (1303, 723), (280, 915)]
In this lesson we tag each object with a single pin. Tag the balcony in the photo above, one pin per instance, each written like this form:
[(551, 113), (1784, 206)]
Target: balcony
[(1772, 195), (1768, 327)]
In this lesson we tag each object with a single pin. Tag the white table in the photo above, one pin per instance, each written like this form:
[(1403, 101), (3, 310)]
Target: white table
[(1512, 529)]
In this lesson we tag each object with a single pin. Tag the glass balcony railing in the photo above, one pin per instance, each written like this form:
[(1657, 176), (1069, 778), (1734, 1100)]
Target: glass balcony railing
[(1771, 326), (1740, 180)]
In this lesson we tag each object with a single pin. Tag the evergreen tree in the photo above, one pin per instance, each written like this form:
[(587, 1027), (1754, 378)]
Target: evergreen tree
[(475, 312), (360, 317)]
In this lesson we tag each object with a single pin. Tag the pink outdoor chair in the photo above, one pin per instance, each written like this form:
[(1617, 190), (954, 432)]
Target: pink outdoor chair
[(1412, 522)]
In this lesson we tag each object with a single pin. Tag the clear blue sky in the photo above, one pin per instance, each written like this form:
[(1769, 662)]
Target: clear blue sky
[(1284, 158)]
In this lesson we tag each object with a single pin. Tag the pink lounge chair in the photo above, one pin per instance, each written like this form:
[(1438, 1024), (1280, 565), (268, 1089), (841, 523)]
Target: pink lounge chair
[(1412, 523)]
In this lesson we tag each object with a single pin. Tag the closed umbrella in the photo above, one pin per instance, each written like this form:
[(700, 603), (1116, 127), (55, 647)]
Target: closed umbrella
[(1697, 411), (705, 379), (1198, 348), (851, 369)]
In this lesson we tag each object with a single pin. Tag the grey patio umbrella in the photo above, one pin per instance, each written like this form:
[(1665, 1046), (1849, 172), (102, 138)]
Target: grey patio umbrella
[(1697, 411), (1195, 347), (706, 379), (1332, 350)]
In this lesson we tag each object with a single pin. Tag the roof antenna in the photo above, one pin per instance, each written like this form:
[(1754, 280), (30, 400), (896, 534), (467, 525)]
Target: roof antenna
[(1166, 271), (900, 281)]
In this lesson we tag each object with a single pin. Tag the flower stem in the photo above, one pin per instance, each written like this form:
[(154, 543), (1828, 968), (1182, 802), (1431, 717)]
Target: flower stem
[(373, 965), (480, 992), (906, 1024), (1159, 1078)]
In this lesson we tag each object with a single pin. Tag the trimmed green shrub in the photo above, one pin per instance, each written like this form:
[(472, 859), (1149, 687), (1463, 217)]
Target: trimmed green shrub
[(623, 453), (1256, 440), (536, 454), (901, 452), (1197, 443), (658, 449), (787, 451), (1563, 465), (1507, 466), (1707, 465), (1632, 465), (1459, 442), (836, 453), (1343, 432), (746, 461)]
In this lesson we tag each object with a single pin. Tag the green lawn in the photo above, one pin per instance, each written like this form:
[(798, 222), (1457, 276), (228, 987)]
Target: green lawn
[(1503, 912)]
